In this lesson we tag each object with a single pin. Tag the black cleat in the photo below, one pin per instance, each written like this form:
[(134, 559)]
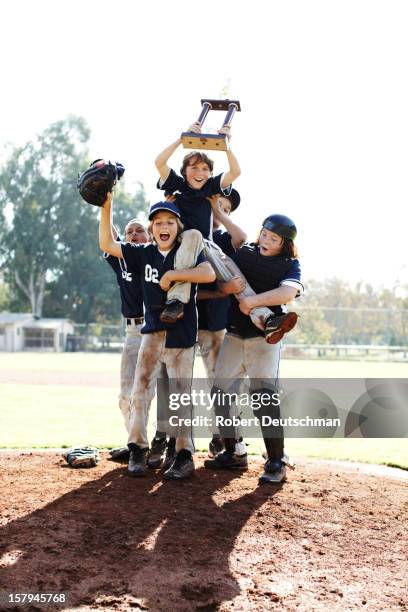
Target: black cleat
[(173, 311), (227, 461), (138, 460), (215, 446), (182, 466), (120, 454), (170, 453), (277, 326), (156, 453), (274, 472)]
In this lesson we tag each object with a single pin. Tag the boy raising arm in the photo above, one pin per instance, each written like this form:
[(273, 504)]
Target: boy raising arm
[(196, 177), (173, 345)]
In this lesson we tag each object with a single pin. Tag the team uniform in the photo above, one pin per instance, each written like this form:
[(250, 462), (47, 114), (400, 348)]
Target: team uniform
[(213, 313), (244, 352), (172, 345), (212, 324), (196, 214), (130, 288), (195, 209)]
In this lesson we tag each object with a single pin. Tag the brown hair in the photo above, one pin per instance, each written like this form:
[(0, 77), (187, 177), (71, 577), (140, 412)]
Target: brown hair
[(194, 157), (288, 248)]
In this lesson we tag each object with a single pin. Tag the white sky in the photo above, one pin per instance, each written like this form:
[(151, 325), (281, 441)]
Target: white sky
[(323, 132)]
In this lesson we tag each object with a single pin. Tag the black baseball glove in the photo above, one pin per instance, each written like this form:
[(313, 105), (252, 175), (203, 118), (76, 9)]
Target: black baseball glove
[(100, 178)]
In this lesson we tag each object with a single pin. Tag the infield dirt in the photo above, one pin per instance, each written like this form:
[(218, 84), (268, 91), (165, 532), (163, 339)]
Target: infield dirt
[(327, 539)]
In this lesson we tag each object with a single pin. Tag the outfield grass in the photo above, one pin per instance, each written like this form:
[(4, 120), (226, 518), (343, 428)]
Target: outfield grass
[(54, 415), (109, 362)]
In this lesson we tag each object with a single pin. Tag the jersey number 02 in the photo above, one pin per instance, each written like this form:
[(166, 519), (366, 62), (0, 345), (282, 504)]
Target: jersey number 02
[(151, 274)]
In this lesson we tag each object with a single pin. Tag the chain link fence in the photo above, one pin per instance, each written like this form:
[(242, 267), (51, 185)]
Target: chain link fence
[(322, 332)]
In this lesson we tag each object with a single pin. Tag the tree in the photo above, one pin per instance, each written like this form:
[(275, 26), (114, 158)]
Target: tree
[(4, 296), (85, 288), (36, 184), (49, 236)]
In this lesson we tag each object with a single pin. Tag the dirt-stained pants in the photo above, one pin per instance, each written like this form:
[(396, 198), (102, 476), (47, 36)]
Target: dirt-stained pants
[(253, 358), (186, 257), (192, 243), (225, 269), (133, 340), (210, 343), (131, 347), (179, 364)]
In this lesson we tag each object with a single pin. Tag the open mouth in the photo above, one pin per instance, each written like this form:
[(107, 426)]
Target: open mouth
[(164, 236)]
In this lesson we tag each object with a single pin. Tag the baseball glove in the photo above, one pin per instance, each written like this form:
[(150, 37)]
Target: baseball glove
[(100, 178), (82, 457)]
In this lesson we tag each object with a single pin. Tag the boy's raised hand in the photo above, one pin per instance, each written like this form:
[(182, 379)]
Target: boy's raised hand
[(226, 130), (195, 127)]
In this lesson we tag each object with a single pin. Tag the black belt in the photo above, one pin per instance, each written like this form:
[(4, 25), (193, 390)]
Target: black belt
[(137, 320)]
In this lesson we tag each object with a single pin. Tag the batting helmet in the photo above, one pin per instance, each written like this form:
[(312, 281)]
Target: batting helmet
[(281, 225)]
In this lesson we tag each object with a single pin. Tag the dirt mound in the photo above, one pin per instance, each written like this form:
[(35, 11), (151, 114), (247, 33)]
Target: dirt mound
[(328, 539)]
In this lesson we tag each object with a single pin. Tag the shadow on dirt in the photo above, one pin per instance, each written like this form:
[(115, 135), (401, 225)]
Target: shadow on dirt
[(118, 543)]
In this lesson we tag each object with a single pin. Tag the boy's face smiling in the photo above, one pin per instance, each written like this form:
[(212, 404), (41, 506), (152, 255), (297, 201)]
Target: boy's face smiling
[(164, 229), (197, 174), (269, 243)]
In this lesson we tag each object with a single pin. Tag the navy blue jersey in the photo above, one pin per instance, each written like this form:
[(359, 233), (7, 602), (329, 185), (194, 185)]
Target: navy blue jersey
[(130, 287), (213, 313), (263, 273), (147, 261), (195, 209)]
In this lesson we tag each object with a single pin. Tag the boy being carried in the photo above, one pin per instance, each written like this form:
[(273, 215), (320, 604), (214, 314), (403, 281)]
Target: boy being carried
[(192, 189)]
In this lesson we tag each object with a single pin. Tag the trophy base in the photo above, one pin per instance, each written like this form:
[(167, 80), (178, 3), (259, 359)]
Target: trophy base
[(212, 142)]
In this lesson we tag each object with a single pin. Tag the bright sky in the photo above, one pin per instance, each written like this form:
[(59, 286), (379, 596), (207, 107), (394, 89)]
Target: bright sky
[(323, 132)]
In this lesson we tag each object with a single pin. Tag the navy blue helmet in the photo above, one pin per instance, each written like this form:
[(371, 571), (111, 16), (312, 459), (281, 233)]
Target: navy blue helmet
[(281, 225)]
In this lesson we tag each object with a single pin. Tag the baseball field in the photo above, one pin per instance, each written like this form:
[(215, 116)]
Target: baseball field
[(332, 537)]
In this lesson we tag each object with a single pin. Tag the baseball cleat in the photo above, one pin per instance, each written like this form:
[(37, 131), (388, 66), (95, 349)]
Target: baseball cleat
[(277, 326), (274, 472), (120, 454), (215, 446), (182, 466), (170, 453), (286, 460), (156, 453), (137, 460), (173, 311), (227, 461)]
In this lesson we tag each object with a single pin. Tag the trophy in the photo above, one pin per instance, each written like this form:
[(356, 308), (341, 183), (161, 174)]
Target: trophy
[(214, 142)]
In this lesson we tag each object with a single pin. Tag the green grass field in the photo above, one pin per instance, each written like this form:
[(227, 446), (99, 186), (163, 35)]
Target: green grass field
[(55, 400)]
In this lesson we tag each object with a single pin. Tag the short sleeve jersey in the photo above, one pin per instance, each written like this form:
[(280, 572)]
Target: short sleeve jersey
[(195, 209), (130, 288), (263, 274), (147, 261), (213, 313)]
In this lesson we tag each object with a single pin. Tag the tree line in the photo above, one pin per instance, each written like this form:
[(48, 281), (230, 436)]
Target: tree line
[(51, 264), (49, 253), (335, 311)]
